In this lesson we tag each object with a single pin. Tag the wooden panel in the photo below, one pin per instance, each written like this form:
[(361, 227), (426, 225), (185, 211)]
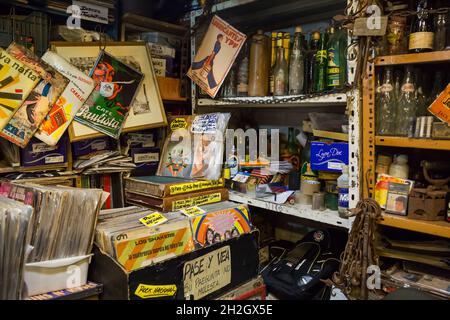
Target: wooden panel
[(404, 142), (330, 135), (437, 228), (426, 57), (169, 89)]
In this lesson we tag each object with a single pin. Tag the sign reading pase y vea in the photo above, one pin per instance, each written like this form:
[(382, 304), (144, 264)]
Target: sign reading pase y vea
[(68, 104)]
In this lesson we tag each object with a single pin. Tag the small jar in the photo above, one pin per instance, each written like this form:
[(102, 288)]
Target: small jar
[(396, 35)]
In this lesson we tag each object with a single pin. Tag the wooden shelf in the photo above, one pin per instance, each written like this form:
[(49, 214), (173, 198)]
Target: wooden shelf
[(169, 89), (331, 135), (437, 228), (49, 167), (426, 57), (404, 142)]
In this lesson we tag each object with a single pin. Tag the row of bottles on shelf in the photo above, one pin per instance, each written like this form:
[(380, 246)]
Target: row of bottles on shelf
[(428, 29), (279, 66), (402, 100)]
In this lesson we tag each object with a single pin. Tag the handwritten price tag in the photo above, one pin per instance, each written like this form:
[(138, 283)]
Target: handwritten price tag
[(153, 219), (192, 211)]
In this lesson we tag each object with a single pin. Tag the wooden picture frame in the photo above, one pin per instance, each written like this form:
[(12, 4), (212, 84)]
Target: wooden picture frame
[(147, 111)]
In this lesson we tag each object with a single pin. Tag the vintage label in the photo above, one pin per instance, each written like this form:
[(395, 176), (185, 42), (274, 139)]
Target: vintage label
[(55, 159), (386, 87), (146, 157), (205, 123), (195, 186), (441, 106), (153, 219), (343, 197), (41, 147), (192, 211), (159, 65), (421, 40), (146, 291), (178, 123), (196, 201), (408, 87), (208, 273)]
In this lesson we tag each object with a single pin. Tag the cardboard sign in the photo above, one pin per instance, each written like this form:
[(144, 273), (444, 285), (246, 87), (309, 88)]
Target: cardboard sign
[(195, 186), (207, 273), (197, 201), (216, 55), (148, 291), (153, 219), (90, 12), (192, 211), (329, 156), (441, 106)]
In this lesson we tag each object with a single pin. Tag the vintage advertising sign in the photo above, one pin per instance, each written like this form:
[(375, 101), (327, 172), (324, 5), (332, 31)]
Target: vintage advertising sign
[(108, 106), (441, 106), (208, 273), (216, 55)]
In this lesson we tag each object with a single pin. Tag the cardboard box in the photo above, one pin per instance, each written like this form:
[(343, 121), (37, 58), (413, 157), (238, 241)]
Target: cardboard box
[(146, 160), (181, 201), (53, 275), (37, 153), (329, 156), (184, 277), (254, 289), (84, 147)]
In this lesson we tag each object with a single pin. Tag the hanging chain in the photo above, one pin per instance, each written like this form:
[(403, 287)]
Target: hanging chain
[(282, 99)]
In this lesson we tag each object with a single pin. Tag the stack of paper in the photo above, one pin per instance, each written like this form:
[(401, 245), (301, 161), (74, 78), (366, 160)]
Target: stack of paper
[(105, 162)]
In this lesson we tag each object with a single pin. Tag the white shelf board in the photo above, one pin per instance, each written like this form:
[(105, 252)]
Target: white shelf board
[(301, 211)]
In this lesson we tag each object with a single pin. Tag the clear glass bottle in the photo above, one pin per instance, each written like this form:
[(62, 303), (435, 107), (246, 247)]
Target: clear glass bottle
[(297, 64), (337, 61), (386, 107), (406, 106), (440, 36), (242, 76), (280, 72)]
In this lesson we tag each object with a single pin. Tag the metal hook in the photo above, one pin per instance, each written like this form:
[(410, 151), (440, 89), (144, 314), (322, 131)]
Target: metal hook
[(102, 37)]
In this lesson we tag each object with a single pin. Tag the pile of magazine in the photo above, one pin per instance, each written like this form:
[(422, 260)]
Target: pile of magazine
[(64, 218), (15, 233), (105, 162)]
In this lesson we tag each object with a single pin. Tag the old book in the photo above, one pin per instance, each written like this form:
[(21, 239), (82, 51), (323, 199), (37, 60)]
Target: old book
[(173, 203), (67, 105), (109, 104), (27, 119), (16, 82), (158, 186)]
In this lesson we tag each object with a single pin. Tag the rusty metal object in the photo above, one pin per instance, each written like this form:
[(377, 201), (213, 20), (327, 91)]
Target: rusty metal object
[(359, 252), (427, 204)]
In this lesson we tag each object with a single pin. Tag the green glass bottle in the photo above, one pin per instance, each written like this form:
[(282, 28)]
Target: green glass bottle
[(337, 62), (321, 64), (292, 151)]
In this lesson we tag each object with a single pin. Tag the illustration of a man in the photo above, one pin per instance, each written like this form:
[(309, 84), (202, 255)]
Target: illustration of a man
[(400, 204), (207, 63)]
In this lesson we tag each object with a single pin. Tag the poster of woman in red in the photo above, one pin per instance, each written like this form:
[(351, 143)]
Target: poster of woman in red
[(215, 56)]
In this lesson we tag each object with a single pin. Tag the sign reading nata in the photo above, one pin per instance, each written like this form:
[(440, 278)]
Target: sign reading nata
[(208, 273)]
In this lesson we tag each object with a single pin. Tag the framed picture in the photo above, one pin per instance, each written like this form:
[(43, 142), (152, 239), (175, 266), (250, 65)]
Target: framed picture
[(147, 109)]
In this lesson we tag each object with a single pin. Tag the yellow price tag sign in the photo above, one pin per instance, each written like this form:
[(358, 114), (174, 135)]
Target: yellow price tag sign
[(145, 291), (153, 219), (192, 211)]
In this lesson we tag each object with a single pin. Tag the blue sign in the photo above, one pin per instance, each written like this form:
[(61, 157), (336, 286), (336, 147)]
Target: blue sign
[(329, 156)]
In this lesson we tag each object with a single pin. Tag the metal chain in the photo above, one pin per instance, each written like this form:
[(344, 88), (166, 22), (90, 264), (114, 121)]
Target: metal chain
[(285, 99)]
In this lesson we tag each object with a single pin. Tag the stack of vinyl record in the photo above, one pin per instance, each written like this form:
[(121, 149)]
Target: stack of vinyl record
[(171, 193)]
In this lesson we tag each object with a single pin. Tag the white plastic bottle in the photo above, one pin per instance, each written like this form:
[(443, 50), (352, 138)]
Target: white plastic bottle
[(343, 185)]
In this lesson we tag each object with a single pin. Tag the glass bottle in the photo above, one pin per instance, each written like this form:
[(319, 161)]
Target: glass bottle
[(321, 64), (229, 88), (297, 64), (422, 34), (242, 76), (397, 84), (310, 61), (337, 61), (440, 36), (280, 72), (258, 78), (406, 106), (276, 38), (396, 35), (386, 107)]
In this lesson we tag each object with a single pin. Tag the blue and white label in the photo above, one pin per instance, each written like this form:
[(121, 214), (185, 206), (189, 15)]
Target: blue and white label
[(329, 156), (343, 198)]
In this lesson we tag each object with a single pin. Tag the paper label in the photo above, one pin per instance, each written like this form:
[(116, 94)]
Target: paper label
[(421, 40), (42, 147), (207, 273), (90, 12), (197, 201), (145, 291), (153, 219), (146, 157), (195, 186), (441, 106), (159, 65), (178, 123), (192, 211), (205, 123), (57, 159), (335, 165)]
